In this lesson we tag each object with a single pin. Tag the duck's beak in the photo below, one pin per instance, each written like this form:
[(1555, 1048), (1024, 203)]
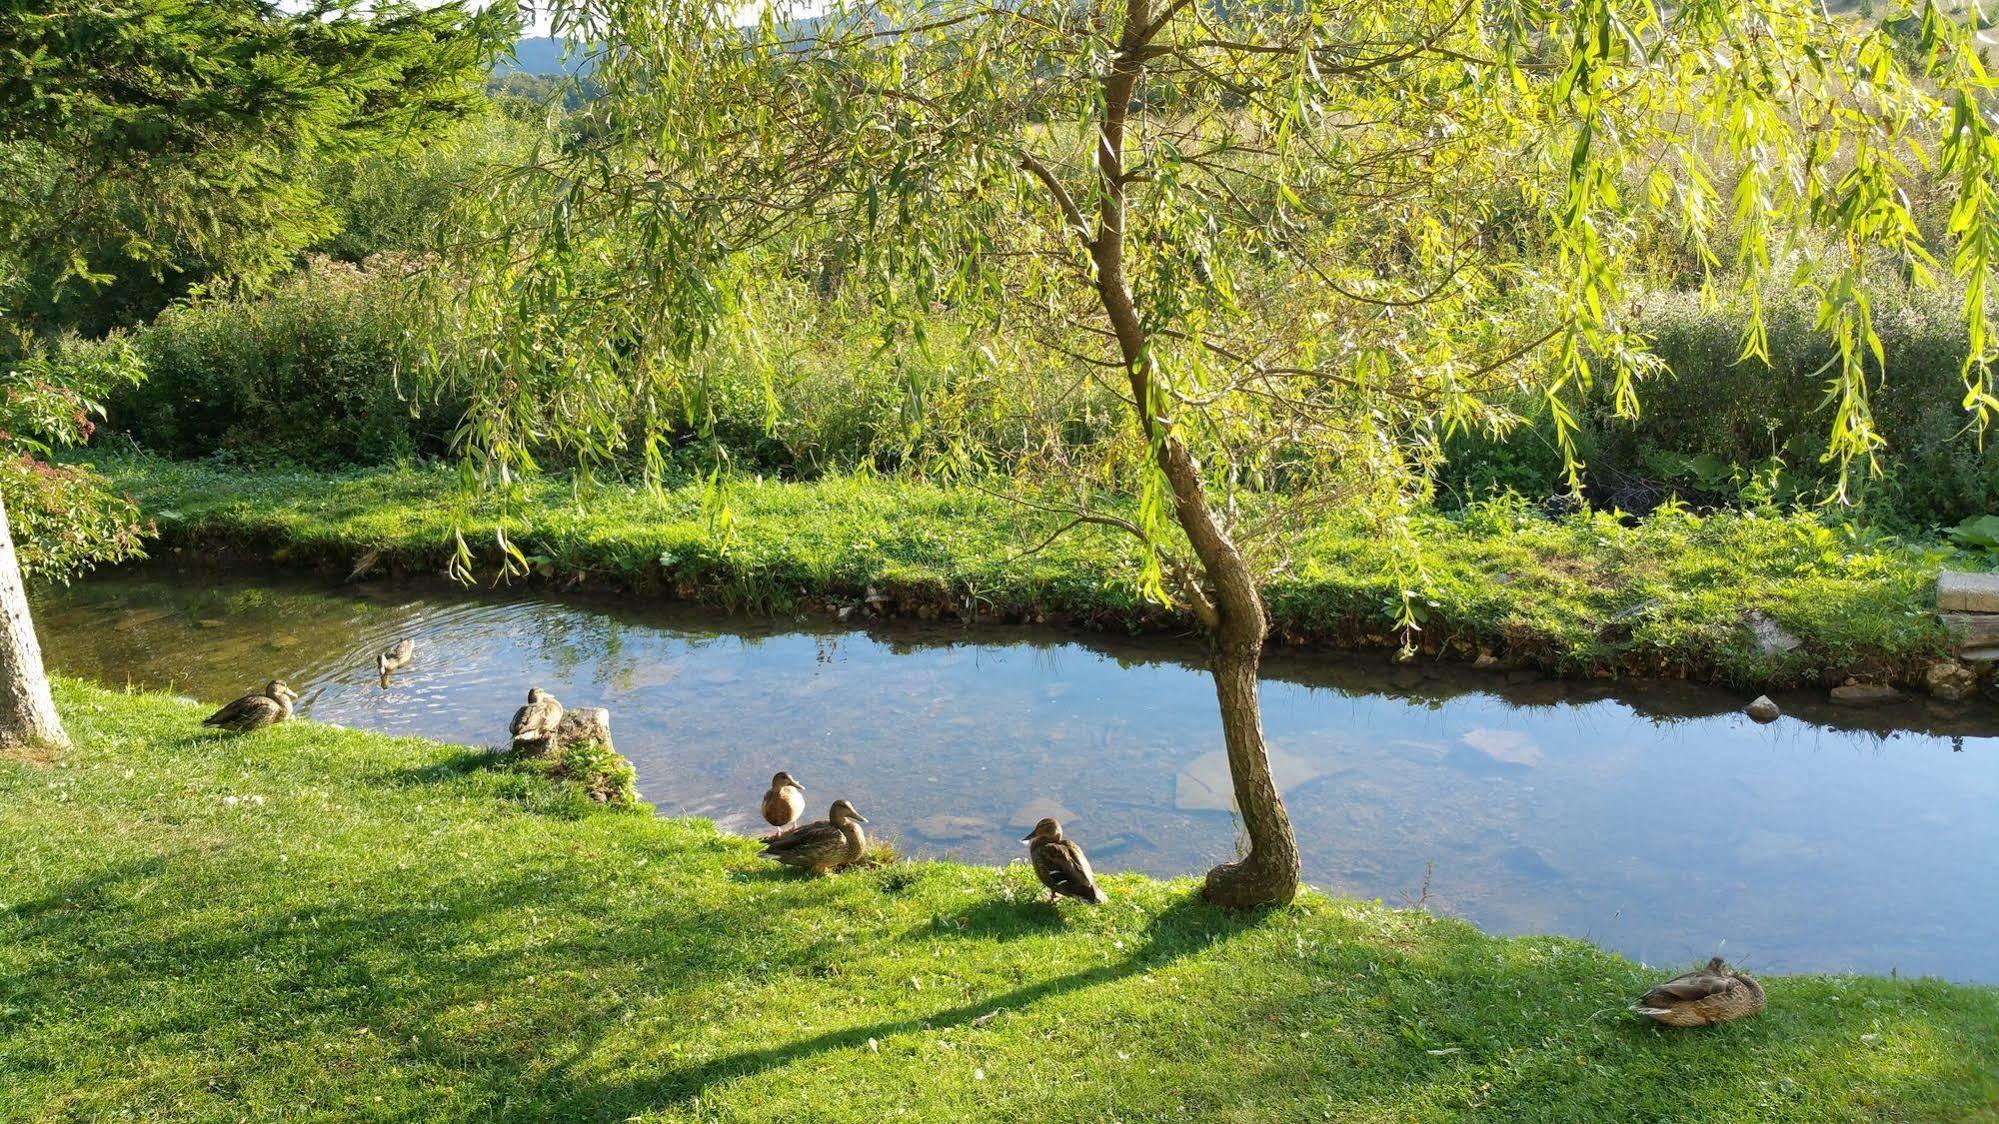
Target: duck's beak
[(1027, 839), (859, 818)]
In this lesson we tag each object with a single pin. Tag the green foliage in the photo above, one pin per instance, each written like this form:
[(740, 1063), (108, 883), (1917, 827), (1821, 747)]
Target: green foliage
[(309, 372), (167, 137), (66, 520), (1979, 532), (402, 201), (395, 930), (1582, 594)]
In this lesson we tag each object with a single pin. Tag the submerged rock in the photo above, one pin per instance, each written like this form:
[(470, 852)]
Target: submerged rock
[(1036, 810), (1866, 694), (950, 829), (1763, 709)]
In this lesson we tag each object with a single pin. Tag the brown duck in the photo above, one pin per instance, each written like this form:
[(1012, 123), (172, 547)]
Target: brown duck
[(824, 846), (1716, 993), (534, 723), (395, 659), (255, 711), (785, 801), (1061, 864)]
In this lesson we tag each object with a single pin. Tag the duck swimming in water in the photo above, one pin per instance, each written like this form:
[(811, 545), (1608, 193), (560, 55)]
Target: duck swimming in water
[(395, 659)]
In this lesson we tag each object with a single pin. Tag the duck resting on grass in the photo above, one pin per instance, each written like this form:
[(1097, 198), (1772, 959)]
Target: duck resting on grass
[(1061, 864), (535, 723), (824, 846), (395, 659), (1716, 993), (255, 711), (784, 803)]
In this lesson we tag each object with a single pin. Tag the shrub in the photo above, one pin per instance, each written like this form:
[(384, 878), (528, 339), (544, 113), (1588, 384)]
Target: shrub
[(1759, 431), (307, 374)]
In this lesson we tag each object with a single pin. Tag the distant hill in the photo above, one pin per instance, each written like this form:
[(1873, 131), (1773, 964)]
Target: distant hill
[(541, 55)]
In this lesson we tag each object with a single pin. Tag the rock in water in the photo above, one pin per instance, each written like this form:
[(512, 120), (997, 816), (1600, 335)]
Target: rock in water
[(582, 726), (1764, 710), (1866, 694)]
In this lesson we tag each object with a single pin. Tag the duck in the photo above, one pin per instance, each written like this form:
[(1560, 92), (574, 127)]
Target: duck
[(824, 846), (785, 801), (396, 658), (535, 723), (255, 711), (1705, 996), (1061, 864)]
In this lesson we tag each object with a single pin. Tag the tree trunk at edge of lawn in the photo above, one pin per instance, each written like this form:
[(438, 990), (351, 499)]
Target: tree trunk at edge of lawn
[(27, 709)]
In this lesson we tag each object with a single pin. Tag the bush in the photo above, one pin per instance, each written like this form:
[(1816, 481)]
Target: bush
[(308, 374), (1759, 431)]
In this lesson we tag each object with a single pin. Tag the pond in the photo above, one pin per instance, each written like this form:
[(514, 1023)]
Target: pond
[(1653, 819)]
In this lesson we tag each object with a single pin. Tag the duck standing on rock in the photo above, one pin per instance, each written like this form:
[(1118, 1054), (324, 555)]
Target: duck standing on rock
[(395, 659), (1061, 864), (784, 803), (535, 723), (255, 711), (1716, 993), (824, 846)]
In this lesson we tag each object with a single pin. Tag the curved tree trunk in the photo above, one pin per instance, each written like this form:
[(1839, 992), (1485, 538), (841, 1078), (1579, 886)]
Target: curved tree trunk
[(1233, 611), (27, 710)]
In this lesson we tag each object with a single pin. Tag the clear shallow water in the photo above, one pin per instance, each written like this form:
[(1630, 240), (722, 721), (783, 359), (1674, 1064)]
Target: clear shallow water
[(1655, 820)]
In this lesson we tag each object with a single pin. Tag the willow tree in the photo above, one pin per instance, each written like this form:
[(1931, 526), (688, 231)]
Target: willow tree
[(1299, 240)]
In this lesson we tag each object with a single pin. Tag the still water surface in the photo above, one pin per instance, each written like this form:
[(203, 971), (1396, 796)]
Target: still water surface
[(1655, 820)]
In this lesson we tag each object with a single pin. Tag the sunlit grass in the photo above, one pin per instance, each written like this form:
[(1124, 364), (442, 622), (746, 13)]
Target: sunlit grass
[(1584, 594)]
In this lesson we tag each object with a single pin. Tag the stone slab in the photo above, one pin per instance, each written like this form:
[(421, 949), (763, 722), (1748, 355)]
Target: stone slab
[(1973, 630), (1960, 592)]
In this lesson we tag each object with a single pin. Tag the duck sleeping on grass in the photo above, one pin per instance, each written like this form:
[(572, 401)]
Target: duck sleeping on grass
[(1713, 994), (784, 803), (1061, 864), (824, 846), (395, 659), (257, 710), (535, 723)]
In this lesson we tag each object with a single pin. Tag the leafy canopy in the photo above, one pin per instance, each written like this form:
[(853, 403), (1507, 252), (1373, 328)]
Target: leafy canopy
[(1343, 229)]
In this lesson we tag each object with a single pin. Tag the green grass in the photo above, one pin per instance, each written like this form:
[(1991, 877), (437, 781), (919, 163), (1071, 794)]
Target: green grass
[(315, 923), (1582, 595)]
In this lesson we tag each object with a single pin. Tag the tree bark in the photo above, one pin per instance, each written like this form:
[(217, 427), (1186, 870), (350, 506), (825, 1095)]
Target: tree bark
[(27, 709), (1268, 873)]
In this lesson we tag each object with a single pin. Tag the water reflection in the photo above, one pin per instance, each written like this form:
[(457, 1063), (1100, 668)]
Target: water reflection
[(1656, 821)]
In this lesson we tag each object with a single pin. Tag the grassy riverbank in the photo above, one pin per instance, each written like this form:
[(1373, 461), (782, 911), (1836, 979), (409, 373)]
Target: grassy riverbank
[(1583, 595), (327, 924)]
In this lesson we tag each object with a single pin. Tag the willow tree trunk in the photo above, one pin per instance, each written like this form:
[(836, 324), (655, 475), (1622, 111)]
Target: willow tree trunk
[(1234, 615), (27, 709)]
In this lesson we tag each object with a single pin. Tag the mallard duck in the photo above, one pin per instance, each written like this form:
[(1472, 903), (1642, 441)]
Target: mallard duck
[(1703, 997), (536, 722), (1061, 864), (255, 711), (396, 658), (826, 845), (785, 801)]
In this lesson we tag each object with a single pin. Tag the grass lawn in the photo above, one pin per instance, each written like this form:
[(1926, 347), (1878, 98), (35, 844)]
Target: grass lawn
[(313, 923), (1672, 596)]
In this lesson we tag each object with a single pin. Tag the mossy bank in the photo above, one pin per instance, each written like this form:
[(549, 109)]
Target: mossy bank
[(323, 924), (1676, 595)]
